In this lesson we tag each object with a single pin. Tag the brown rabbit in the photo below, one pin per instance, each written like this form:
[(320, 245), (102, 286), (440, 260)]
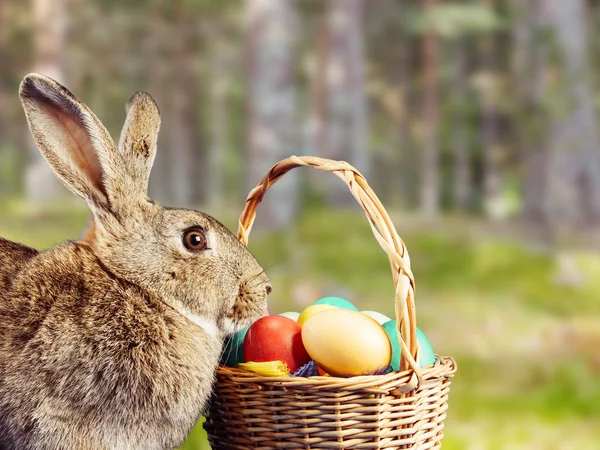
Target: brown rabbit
[(112, 341)]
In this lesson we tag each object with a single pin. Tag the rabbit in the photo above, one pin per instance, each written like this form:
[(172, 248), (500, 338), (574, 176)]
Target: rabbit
[(112, 341)]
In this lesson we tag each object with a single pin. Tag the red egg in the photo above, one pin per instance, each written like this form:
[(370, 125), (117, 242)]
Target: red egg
[(322, 372), (276, 338)]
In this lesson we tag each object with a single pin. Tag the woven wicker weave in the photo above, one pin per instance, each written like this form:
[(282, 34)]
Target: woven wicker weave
[(400, 410)]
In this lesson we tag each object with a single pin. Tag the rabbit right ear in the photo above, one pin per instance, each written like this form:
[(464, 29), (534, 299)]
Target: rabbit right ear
[(70, 137), (138, 139)]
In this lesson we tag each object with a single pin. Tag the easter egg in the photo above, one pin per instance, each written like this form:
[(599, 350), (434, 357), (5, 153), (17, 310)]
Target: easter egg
[(311, 311), (425, 357), (291, 314), (346, 343), (338, 302), (307, 370), (390, 329), (233, 348), (426, 354), (380, 318), (275, 338)]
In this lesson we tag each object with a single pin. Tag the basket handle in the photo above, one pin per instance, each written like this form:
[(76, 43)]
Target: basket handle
[(382, 228)]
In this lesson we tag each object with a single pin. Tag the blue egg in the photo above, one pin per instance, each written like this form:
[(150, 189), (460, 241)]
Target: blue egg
[(338, 302), (233, 348), (426, 356)]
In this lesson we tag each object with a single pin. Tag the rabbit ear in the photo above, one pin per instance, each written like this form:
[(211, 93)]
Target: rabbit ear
[(70, 137), (138, 139)]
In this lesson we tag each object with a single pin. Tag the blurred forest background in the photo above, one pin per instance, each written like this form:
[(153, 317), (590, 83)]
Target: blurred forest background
[(475, 121)]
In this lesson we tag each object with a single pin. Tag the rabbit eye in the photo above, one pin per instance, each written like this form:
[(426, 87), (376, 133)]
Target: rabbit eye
[(194, 239)]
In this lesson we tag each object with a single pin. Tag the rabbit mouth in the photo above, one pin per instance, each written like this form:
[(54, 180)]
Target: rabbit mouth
[(244, 312), (230, 327), (250, 304)]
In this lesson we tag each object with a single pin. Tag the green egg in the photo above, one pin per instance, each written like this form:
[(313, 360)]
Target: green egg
[(233, 349), (426, 355), (338, 302)]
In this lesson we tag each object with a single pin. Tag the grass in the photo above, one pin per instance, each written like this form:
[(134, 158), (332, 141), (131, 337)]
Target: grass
[(527, 346)]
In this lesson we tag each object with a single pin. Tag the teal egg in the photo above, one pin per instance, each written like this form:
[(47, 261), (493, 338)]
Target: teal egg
[(426, 356), (233, 349), (390, 329), (338, 302), (426, 353)]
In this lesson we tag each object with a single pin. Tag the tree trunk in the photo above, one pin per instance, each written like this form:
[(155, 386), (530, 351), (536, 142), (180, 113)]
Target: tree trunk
[(219, 118), (358, 131), (3, 64), (271, 128), (461, 173), (187, 176), (3, 107), (489, 123), (403, 181), (575, 179), (530, 69), (429, 159), (320, 96), (342, 118), (158, 78), (49, 40)]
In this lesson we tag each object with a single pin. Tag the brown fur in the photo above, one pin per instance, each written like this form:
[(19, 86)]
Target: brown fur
[(111, 342)]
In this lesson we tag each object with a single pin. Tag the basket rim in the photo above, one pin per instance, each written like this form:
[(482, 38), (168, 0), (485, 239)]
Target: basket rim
[(401, 382)]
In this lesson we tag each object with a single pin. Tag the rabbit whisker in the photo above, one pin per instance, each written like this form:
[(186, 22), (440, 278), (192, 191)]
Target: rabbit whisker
[(254, 277)]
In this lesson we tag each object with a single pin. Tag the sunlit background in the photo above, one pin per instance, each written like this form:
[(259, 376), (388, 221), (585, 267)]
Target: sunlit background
[(475, 122)]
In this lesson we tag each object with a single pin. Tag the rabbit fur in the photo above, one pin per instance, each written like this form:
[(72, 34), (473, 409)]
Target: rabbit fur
[(112, 341)]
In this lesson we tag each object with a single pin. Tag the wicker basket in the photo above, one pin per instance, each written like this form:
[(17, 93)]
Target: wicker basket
[(400, 410)]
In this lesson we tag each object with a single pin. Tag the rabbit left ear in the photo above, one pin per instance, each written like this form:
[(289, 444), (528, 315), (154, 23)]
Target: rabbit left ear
[(70, 137), (138, 139)]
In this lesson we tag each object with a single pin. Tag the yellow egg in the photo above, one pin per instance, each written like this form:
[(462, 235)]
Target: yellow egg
[(311, 311), (346, 343)]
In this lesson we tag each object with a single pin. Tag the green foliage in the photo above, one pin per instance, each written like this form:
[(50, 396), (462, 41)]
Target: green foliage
[(340, 248), (42, 228), (557, 393), (196, 440), (466, 278), (480, 296), (452, 20), (11, 165)]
